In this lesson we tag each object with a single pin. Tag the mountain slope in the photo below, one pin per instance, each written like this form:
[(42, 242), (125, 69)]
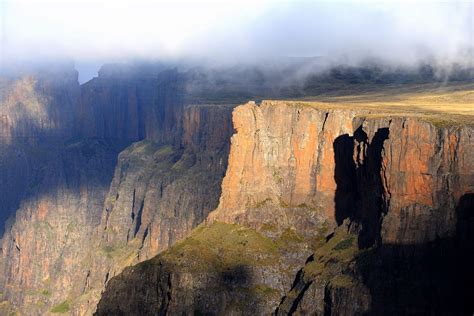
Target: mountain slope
[(374, 192)]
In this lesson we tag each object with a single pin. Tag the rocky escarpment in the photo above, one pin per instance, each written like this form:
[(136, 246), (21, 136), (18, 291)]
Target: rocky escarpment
[(59, 213), (34, 109), (162, 188), (84, 211), (54, 181), (132, 107), (61, 179), (158, 195), (374, 197), (411, 219)]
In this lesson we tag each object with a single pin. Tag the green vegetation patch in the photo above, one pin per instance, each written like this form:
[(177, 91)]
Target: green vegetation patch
[(115, 251), (288, 238), (164, 151), (108, 249), (144, 147), (345, 244), (185, 162), (269, 227), (221, 246), (443, 121), (46, 293), (331, 257), (61, 308)]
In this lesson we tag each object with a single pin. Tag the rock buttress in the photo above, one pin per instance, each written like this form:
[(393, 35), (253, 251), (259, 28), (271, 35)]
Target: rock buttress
[(159, 193), (374, 197), (411, 222)]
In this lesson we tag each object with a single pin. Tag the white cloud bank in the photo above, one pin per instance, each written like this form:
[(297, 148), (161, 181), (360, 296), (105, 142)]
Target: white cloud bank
[(349, 31)]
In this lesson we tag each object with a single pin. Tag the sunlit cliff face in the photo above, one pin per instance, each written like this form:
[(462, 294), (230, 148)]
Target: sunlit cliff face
[(363, 145)]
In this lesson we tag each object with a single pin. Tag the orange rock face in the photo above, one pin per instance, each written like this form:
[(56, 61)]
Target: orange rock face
[(291, 165), (336, 164), (427, 170), (393, 184), (283, 154)]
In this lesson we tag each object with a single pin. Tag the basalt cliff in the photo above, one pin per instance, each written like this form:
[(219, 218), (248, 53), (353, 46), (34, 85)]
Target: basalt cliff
[(151, 191), (324, 210), (125, 172)]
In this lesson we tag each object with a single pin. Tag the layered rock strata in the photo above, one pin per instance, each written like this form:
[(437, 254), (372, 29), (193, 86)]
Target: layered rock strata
[(374, 196), (76, 219)]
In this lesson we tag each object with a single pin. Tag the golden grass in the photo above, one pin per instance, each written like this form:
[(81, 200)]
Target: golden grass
[(449, 104)]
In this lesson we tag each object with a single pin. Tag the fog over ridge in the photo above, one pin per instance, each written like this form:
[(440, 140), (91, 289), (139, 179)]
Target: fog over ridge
[(342, 32)]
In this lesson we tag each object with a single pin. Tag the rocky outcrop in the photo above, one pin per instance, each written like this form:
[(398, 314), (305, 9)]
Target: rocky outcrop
[(373, 195), (38, 105), (35, 108), (221, 268), (282, 157), (319, 202), (114, 107), (412, 213), (158, 195), (54, 222), (159, 191), (75, 218)]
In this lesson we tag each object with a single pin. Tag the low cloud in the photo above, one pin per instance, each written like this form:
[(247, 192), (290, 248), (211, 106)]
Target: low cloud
[(349, 32)]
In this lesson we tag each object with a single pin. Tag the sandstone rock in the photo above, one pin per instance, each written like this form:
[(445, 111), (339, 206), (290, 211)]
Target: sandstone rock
[(342, 168), (159, 194), (374, 193)]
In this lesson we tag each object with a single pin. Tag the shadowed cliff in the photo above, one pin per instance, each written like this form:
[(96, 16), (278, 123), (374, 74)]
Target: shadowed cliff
[(378, 185), (283, 196), (415, 273)]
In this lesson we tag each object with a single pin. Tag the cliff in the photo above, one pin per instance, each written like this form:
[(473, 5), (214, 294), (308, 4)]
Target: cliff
[(159, 193), (38, 104), (320, 200), (34, 108), (132, 107), (326, 207), (72, 216), (54, 182), (53, 224)]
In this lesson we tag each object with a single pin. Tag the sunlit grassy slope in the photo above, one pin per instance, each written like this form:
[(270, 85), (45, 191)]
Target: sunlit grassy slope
[(448, 104)]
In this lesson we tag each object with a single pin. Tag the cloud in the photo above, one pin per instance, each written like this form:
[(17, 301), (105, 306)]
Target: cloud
[(400, 32)]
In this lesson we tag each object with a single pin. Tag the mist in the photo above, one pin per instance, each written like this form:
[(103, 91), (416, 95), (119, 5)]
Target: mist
[(399, 33)]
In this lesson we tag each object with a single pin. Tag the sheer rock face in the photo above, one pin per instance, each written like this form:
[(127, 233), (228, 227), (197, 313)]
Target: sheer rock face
[(38, 105), (35, 109), (77, 223), (412, 213), (427, 170), (398, 189), (132, 109), (159, 194), (157, 186), (296, 155), (54, 223), (54, 182), (283, 154)]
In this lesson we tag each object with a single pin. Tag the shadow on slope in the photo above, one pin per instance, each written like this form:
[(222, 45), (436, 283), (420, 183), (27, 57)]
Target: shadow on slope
[(434, 278)]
